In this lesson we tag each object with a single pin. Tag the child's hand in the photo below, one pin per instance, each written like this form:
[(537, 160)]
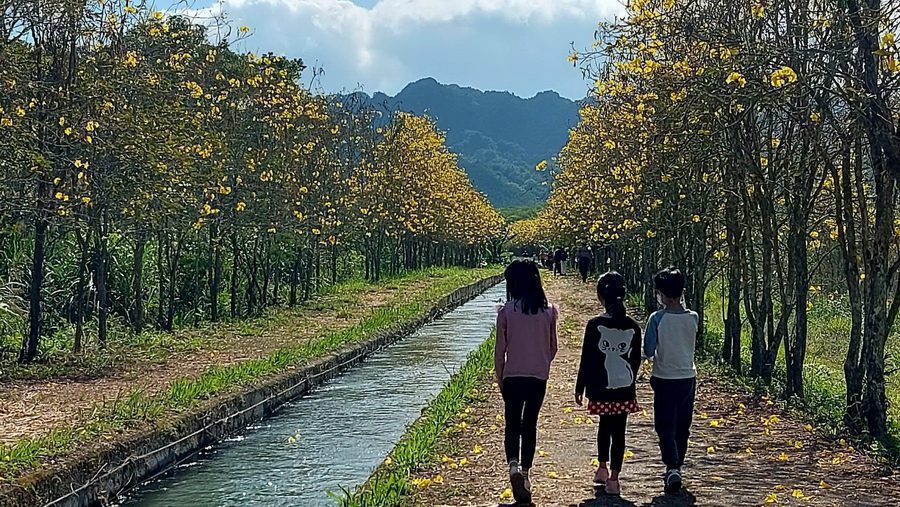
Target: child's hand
[(579, 398)]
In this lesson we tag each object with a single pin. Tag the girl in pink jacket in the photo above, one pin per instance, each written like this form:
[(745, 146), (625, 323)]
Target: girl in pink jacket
[(526, 345)]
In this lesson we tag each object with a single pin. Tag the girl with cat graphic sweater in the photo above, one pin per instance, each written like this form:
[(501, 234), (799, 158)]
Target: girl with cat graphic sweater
[(610, 359)]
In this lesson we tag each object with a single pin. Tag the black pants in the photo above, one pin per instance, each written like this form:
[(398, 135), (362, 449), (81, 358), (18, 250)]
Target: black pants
[(673, 412), (611, 440), (584, 264), (522, 399)]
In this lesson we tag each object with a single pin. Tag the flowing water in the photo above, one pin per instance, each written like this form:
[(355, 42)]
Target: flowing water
[(342, 430)]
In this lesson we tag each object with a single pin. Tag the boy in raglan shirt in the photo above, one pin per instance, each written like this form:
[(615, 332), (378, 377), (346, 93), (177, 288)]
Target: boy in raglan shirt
[(669, 342)]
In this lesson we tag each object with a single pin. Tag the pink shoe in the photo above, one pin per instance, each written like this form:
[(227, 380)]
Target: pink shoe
[(601, 476), (612, 487)]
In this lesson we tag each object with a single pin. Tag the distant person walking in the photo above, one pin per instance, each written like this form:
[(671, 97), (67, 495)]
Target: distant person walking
[(545, 259), (583, 259), (559, 261), (526, 345)]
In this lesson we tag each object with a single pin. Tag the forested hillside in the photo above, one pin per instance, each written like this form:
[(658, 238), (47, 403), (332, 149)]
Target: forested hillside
[(499, 137)]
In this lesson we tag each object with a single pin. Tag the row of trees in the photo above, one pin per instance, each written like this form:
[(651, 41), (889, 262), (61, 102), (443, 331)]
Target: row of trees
[(753, 143), (151, 173)]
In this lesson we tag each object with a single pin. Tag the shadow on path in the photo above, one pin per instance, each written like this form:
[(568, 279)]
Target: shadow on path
[(684, 499)]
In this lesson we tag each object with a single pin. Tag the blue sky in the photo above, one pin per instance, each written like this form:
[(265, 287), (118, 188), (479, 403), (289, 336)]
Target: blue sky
[(380, 45)]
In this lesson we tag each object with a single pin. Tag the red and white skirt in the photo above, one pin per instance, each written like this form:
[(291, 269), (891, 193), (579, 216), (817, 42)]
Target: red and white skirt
[(613, 407)]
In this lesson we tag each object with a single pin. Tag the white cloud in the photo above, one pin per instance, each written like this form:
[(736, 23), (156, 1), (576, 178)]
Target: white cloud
[(519, 45)]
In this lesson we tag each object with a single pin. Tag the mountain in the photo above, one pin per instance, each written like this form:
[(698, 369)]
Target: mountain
[(499, 137)]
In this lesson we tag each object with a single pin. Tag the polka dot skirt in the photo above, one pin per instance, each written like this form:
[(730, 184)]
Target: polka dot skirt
[(613, 407)]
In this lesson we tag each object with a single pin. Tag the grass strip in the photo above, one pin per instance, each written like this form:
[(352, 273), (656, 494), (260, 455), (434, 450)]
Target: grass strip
[(155, 346), (138, 408), (391, 481)]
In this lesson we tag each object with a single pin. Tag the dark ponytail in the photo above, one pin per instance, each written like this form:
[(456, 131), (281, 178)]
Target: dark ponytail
[(611, 289), (523, 285)]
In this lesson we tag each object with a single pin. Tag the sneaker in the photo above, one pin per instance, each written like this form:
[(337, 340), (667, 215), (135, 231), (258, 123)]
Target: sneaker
[(601, 476), (673, 481), (612, 487), (518, 481)]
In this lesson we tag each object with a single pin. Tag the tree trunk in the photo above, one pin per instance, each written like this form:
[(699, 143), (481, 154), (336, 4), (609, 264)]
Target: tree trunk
[(30, 344), (235, 273), (137, 281), (215, 279), (101, 267), (295, 278), (877, 280), (174, 260), (80, 292), (845, 219)]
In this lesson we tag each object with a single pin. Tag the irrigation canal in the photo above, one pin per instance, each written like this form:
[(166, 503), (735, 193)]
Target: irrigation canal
[(334, 436)]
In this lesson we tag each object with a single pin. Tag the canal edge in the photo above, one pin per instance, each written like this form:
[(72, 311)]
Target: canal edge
[(99, 475), (434, 420)]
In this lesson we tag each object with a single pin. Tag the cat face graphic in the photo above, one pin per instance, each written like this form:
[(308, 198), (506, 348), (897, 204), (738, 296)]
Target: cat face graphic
[(616, 346), (615, 341)]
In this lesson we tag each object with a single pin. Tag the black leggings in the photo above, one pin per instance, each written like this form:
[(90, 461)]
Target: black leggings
[(611, 440), (522, 400)]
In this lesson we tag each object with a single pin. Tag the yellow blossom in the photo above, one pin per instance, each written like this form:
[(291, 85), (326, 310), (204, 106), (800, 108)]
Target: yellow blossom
[(736, 78), (783, 76)]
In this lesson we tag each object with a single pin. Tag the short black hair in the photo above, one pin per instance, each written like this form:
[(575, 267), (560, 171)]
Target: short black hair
[(669, 281)]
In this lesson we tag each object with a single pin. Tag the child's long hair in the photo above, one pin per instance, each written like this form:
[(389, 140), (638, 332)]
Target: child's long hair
[(523, 285), (611, 288)]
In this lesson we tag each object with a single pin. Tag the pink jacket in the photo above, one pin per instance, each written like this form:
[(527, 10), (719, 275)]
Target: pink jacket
[(526, 344)]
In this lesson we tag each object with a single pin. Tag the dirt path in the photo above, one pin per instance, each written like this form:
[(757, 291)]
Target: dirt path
[(34, 407), (743, 450)]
